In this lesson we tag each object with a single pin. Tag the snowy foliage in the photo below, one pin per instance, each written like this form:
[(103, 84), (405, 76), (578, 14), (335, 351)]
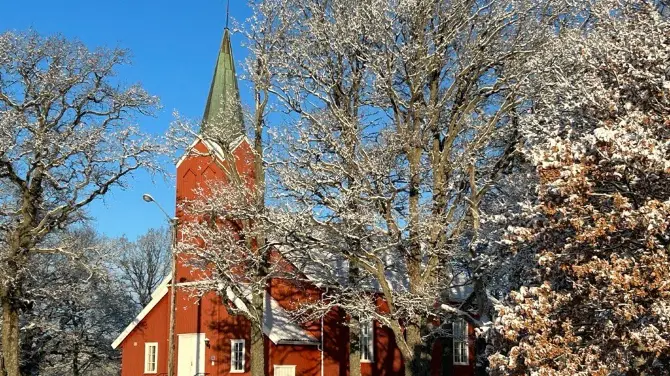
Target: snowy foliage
[(218, 242), (596, 300)]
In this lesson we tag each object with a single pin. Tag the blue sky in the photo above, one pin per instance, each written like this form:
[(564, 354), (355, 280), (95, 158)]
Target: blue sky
[(174, 45)]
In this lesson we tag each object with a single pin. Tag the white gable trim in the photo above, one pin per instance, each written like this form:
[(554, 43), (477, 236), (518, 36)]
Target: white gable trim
[(187, 151), (156, 297), (236, 143), (214, 148)]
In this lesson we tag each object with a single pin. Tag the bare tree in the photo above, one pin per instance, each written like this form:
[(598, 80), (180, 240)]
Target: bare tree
[(145, 262), (400, 119), (78, 307), (65, 140), (400, 116)]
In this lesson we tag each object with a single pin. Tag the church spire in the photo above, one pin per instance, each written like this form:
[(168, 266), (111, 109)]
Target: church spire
[(223, 110)]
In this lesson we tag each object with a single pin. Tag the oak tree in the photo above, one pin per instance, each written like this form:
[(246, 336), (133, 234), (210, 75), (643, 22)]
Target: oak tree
[(66, 139)]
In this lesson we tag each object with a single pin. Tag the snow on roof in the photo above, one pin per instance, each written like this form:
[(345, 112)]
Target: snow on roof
[(318, 267), (236, 300), (279, 326)]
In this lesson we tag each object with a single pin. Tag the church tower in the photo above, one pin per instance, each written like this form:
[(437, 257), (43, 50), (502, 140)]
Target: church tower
[(221, 146)]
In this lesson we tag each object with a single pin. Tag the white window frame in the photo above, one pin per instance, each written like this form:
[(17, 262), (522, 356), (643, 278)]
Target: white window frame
[(234, 342), (370, 343), (280, 366), (459, 328), (147, 346)]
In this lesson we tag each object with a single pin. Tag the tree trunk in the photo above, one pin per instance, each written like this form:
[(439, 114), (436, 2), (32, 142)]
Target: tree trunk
[(10, 338), (257, 351), (354, 347), (257, 337), (75, 364), (415, 355), (418, 363)]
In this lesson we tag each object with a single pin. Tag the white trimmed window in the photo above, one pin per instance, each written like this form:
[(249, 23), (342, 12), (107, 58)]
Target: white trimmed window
[(150, 357), (367, 341), (237, 356), (460, 341)]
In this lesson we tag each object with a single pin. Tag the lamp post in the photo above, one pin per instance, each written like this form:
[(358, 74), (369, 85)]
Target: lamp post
[(173, 290)]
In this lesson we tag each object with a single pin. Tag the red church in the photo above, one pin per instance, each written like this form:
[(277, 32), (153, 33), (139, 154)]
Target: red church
[(211, 341)]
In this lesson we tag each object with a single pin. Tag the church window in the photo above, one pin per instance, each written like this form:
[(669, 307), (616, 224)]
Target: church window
[(460, 341), (150, 357), (367, 341), (237, 355)]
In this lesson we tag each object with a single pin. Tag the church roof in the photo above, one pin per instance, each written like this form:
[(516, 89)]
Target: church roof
[(223, 110)]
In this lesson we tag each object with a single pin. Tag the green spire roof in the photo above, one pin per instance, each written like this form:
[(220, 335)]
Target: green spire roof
[(223, 111)]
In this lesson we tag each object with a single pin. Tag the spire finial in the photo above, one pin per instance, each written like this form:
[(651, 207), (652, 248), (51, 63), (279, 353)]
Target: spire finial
[(227, 13)]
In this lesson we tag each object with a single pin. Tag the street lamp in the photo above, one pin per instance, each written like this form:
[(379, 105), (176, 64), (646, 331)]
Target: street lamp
[(173, 290)]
